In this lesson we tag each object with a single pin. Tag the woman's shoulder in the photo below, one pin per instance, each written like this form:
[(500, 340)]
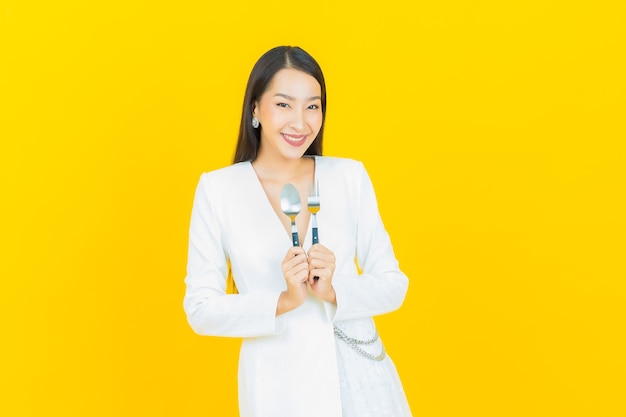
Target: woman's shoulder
[(227, 173)]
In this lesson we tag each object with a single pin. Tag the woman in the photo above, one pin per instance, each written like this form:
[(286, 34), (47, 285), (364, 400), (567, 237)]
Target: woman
[(310, 347)]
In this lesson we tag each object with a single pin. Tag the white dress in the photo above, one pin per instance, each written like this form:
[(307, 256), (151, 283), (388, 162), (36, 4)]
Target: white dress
[(293, 365)]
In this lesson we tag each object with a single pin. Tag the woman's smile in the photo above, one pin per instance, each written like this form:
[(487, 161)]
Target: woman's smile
[(294, 140)]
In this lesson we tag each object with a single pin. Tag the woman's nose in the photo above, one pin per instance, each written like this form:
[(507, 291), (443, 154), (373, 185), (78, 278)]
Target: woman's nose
[(297, 119)]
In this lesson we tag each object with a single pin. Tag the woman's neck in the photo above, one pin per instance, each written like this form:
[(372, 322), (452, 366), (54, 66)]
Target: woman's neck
[(283, 170)]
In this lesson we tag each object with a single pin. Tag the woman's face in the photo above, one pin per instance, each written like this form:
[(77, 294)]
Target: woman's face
[(290, 114)]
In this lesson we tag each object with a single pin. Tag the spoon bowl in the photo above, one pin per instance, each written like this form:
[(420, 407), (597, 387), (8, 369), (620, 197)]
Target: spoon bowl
[(290, 205)]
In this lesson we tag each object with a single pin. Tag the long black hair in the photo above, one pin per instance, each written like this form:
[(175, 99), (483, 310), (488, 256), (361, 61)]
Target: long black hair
[(262, 73)]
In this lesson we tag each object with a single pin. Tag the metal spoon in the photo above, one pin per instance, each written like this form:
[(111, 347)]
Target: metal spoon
[(291, 206)]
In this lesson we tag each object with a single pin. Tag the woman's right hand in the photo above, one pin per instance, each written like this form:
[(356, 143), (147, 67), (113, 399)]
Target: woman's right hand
[(296, 272)]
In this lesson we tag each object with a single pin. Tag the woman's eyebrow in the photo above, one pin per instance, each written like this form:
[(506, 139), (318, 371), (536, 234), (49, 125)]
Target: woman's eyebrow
[(288, 97)]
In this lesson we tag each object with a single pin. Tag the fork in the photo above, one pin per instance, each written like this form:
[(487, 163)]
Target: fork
[(313, 202)]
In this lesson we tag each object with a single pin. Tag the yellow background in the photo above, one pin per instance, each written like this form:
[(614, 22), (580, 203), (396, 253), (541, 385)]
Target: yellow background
[(494, 134)]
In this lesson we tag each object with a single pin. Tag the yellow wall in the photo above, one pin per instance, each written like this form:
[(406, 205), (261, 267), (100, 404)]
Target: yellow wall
[(494, 134)]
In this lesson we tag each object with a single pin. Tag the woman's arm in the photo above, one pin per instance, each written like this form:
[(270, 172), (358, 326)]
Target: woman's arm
[(210, 311), (382, 286)]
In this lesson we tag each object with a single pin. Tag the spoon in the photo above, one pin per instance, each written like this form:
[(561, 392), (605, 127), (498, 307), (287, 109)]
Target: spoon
[(291, 206)]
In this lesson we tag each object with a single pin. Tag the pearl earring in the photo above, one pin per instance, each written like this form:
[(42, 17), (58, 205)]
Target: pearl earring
[(255, 122)]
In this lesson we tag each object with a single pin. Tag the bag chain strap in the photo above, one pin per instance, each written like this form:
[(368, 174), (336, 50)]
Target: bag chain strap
[(354, 344)]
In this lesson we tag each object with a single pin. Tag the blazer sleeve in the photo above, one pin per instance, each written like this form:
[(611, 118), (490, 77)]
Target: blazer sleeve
[(381, 287), (209, 309)]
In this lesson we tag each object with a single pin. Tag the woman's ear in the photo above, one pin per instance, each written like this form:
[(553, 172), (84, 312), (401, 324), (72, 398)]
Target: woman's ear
[(254, 109)]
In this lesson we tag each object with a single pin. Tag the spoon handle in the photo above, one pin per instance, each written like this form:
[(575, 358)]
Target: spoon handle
[(294, 234)]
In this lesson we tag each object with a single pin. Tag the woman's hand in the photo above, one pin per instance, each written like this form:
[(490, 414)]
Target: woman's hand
[(296, 272), (321, 268)]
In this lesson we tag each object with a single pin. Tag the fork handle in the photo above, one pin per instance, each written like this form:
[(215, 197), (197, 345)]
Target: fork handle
[(316, 239)]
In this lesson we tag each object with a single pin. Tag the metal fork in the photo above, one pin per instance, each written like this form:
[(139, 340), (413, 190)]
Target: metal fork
[(313, 202)]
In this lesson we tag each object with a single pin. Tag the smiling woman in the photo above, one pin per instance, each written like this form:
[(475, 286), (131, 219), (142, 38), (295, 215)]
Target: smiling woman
[(289, 112), (304, 310)]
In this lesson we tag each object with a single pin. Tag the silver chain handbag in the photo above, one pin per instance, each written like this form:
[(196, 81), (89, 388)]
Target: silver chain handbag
[(355, 344)]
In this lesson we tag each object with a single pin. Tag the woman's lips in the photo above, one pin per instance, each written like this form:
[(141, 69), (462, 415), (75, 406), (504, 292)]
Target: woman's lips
[(294, 140)]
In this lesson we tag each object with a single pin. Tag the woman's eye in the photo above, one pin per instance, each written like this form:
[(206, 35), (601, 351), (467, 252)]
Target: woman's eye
[(285, 105), (313, 107)]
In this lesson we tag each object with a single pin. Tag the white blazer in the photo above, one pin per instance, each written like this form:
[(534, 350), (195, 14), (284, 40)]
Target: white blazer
[(289, 365)]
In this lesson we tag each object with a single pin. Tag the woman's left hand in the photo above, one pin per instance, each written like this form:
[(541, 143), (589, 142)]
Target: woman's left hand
[(321, 268)]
